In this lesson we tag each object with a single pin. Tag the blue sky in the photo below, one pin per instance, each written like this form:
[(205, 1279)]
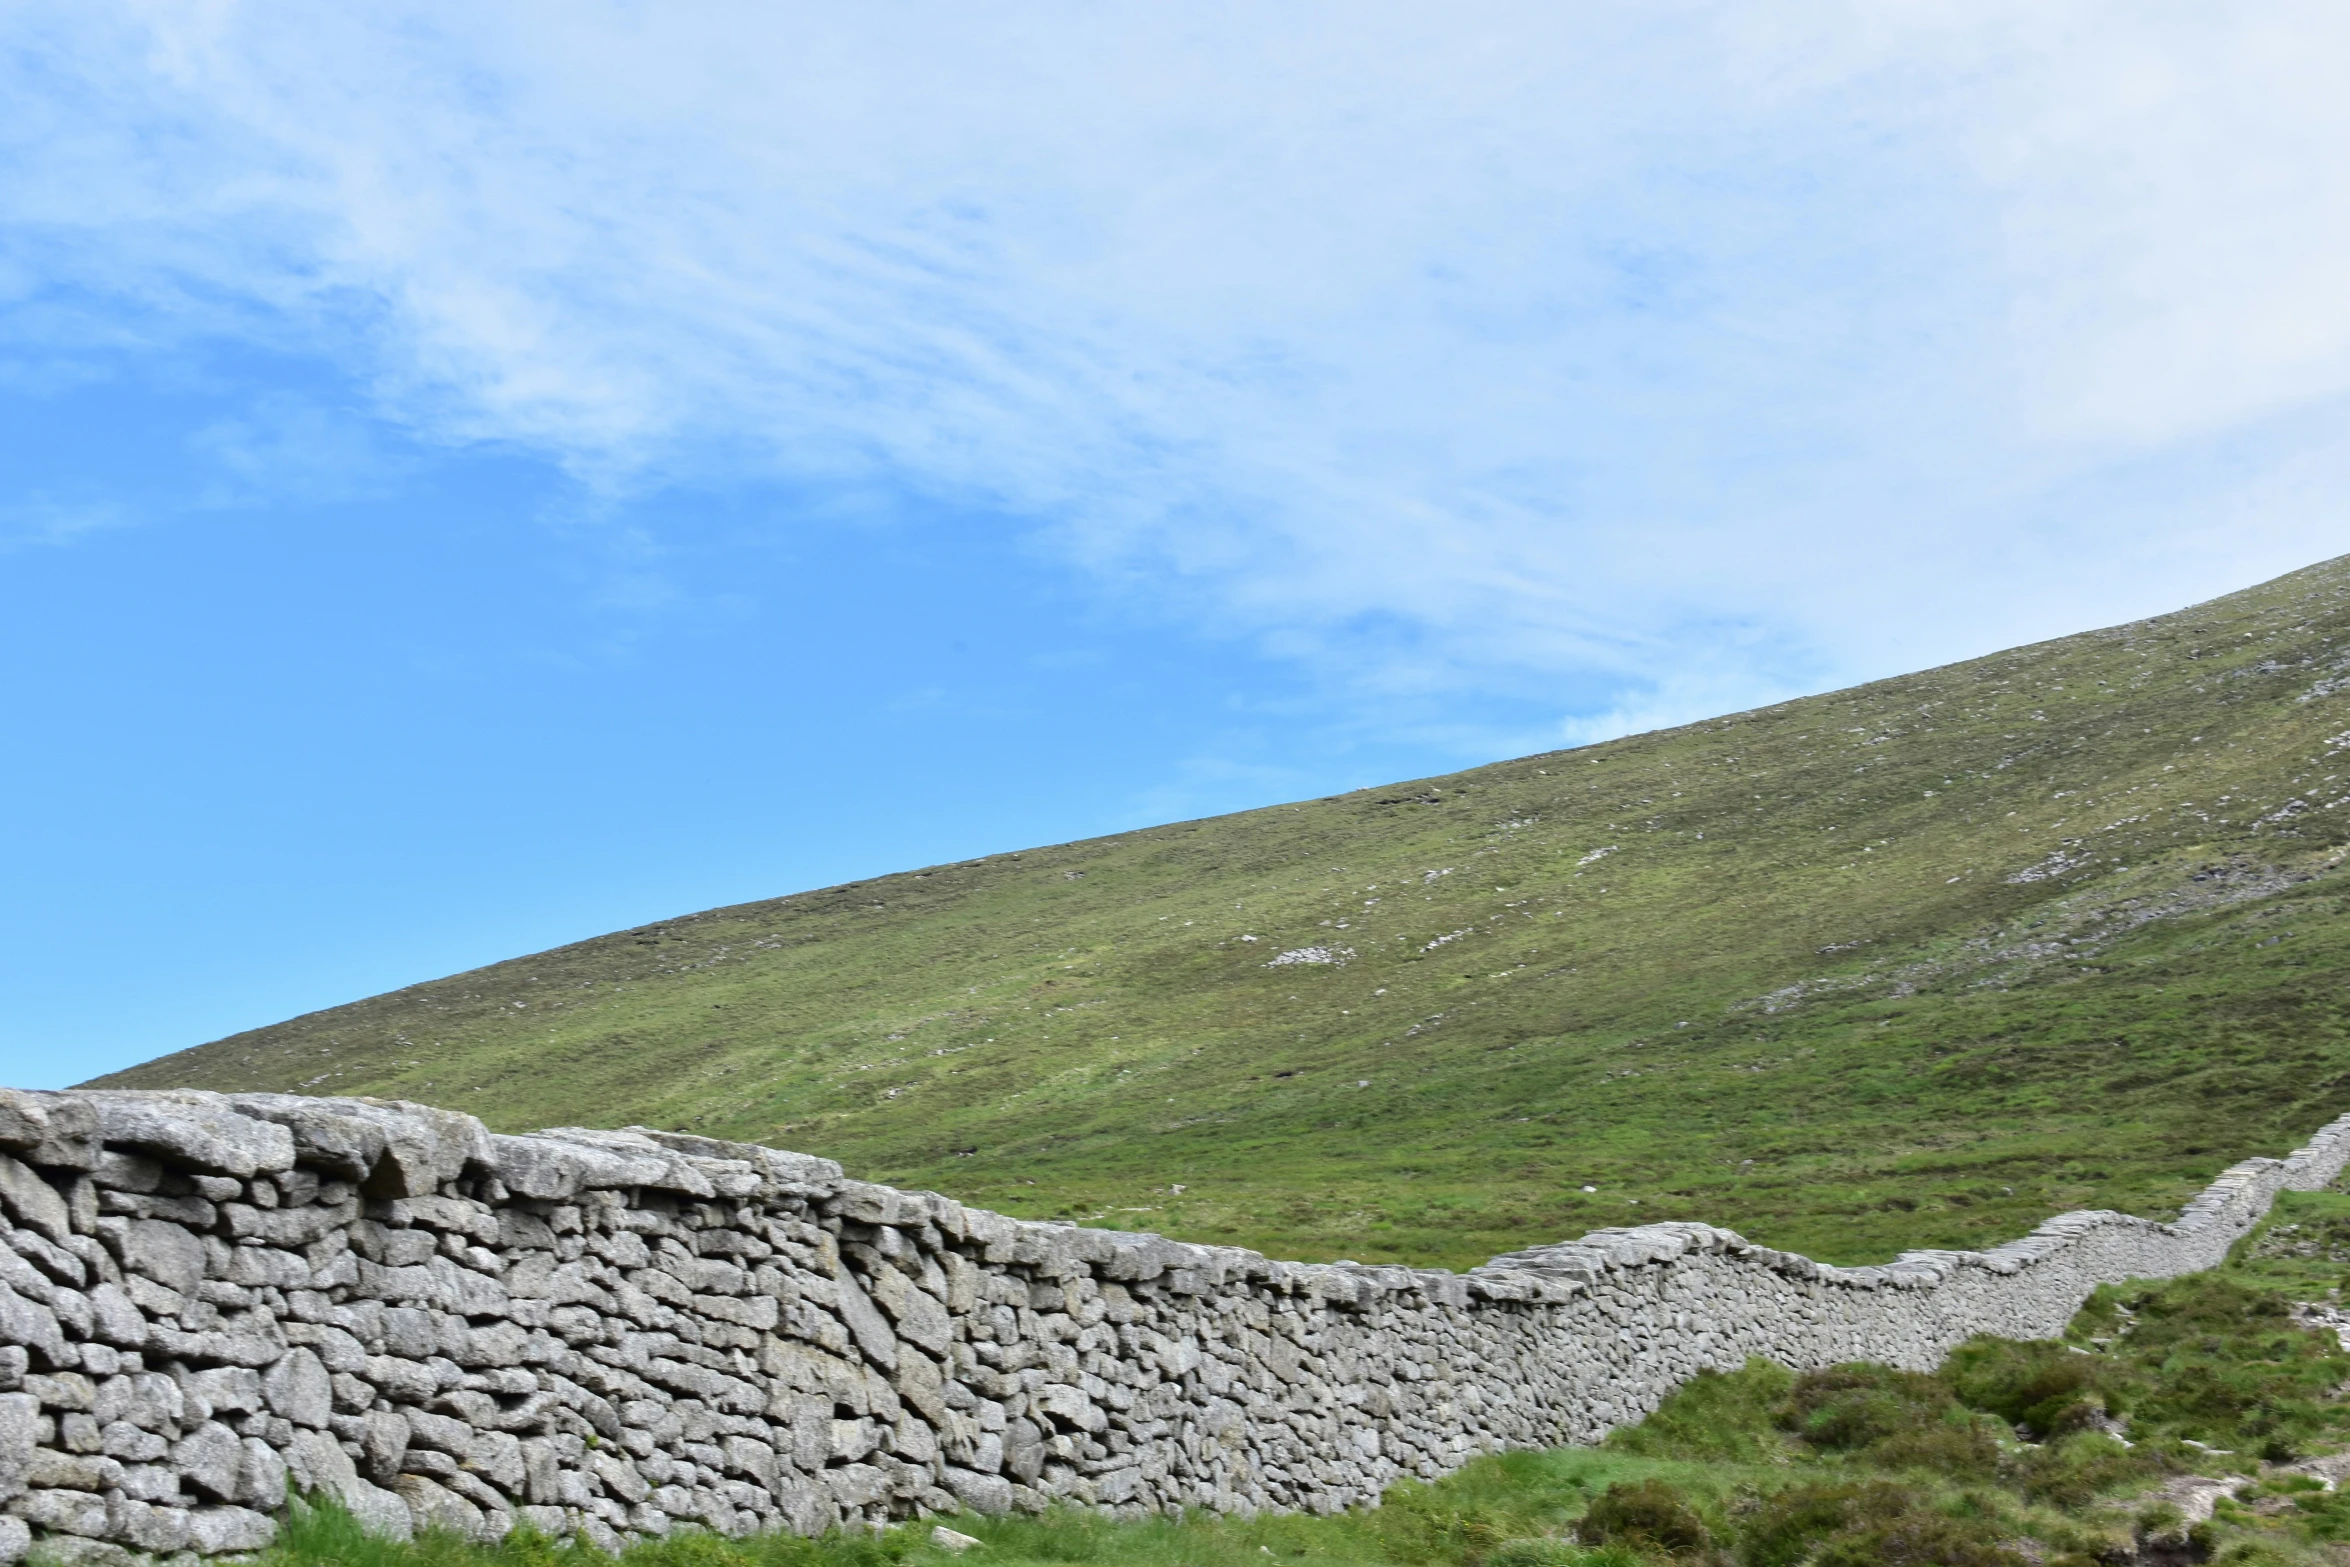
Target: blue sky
[(472, 477)]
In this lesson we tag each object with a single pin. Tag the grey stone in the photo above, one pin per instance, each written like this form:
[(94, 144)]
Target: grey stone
[(451, 1215), (872, 1332), (32, 1200), (190, 1128), (20, 1419), (346, 1146), (63, 1390), (120, 1439), (62, 1266), (620, 1477), (51, 1129), (317, 1462), (920, 1317), (752, 1458), (164, 1252), (352, 1395), (261, 1476), (806, 1504), (548, 1521), (149, 1400), (598, 1534), (982, 1493), (297, 1188), (496, 1510), (335, 1347), (286, 1227), (536, 1168), (218, 1531), (410, 1333), (299, 1389), (256, 1266), (403, 1381), (497, 1457), (464, 1291), (222, 1390), (195, 1213), (16, 1538), (77, 1432), (68, 1512), (146, 1527), (669, 1171), (211, 1458), (152, 1483), (127, 1172), (32, 1326), (114, 1318), (18, 1273), (150, 1298), (435, 1507), (385, 1444), (423, 1147), (380, 1510), (564, 1165), (60, 1550), (438, 1432), (72, 1309), (855, 1485), (72, 1471), (520, 1230)]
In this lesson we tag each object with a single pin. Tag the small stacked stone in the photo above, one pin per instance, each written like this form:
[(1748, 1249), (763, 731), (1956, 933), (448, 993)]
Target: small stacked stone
[(206, 1299)]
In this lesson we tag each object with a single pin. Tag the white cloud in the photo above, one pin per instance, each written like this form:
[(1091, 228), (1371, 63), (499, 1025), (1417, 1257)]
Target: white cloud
[(289, 449), (1717, 349), (45, 518)]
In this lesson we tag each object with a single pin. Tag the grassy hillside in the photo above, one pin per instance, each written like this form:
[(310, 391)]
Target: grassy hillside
[(1914, 963)]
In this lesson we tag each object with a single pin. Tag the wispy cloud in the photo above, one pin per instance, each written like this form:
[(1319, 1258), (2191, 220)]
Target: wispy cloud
[(291, 449), (45, 518), (1683, 354)]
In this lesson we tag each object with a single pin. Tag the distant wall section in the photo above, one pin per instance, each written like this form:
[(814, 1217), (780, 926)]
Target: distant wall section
[(612, 1334)]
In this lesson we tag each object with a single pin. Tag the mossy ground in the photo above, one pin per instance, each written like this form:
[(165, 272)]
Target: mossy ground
[(1918, 963), (2008, 1455)]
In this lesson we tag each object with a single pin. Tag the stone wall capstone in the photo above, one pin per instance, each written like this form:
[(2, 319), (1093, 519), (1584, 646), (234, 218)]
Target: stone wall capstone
[(204, 1297)]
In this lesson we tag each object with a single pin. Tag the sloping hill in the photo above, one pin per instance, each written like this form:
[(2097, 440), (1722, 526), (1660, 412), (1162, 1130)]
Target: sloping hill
[(1914, 963)]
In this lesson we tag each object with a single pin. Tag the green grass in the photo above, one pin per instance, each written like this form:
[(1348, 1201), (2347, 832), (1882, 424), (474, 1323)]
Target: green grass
[(1517, 1496), (2009, 1449), (1917, 963)]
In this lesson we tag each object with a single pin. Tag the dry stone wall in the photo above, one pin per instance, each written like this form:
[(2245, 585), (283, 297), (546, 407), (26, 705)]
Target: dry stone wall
[(612, 1334)]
